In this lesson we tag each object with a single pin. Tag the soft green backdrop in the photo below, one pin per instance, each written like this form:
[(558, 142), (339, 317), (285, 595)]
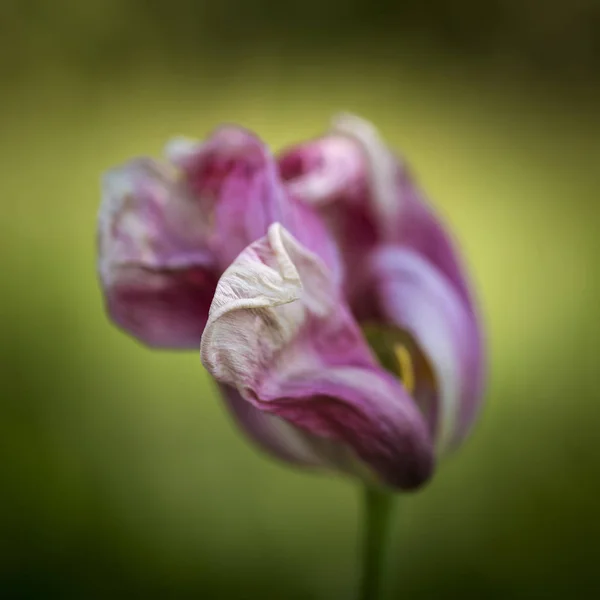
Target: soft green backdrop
[(120, 474)]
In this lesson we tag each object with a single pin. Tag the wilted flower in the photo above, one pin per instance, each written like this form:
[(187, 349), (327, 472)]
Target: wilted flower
[(297, 303)]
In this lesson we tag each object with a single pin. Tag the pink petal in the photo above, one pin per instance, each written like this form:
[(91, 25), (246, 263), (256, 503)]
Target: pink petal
[(157, 274), (281, 334), (417, 297)]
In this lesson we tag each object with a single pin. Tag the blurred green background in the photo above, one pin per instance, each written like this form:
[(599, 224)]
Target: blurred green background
[(121, 476)]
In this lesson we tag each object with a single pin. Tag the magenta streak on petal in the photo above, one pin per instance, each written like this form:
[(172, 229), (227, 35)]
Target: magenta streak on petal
[(289, 443), (163, 309), (249, 202), (367, 409), (267, 430)]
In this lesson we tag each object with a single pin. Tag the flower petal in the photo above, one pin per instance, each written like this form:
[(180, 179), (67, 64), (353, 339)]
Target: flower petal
[(207, 164), (416, 296), (287, 442), (157, 273), (272, 433), (281, 334), (368, 198), (421, 230), (401, 213), (324, 170), (235, 178), (352, 165)]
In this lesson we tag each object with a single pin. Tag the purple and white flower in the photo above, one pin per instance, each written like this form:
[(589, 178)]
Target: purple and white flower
[(327, 298)]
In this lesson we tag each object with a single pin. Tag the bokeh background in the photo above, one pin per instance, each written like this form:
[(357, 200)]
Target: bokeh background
[(121, 476)]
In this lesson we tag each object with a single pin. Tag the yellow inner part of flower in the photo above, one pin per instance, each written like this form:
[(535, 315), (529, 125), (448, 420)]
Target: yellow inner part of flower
[(406, 368), (399, 354)]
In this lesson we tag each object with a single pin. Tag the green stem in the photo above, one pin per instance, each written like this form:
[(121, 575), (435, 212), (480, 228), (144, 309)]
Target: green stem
[(377, 512)]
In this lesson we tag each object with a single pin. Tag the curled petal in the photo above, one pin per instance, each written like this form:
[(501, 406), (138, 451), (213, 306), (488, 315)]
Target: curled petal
[(156, 271), (417, 297), (280, 333)]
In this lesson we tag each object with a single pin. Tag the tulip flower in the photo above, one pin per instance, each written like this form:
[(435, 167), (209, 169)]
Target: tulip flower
[(327, 299)]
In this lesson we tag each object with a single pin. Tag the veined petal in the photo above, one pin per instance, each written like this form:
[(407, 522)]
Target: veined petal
[(281, 334), (416, 296), (156, 271)]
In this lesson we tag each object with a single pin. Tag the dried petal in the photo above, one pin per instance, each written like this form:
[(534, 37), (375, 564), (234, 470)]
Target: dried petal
[(281, 334)]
